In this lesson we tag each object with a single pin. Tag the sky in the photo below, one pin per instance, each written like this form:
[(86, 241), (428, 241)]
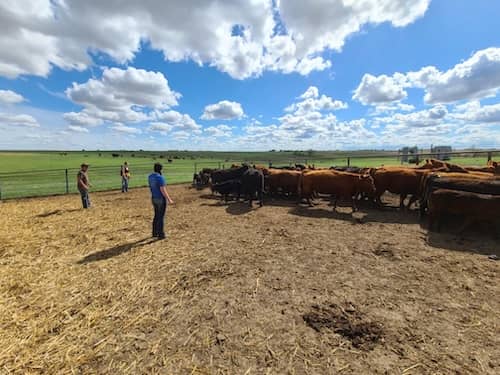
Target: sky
[(249, 75)]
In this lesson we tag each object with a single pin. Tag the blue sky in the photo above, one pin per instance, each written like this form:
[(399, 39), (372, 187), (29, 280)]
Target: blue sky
[(239, 75)]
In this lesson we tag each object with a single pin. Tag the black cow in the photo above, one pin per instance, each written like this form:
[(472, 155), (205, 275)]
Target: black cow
[(228, 187), (222, 175), (252, 184)]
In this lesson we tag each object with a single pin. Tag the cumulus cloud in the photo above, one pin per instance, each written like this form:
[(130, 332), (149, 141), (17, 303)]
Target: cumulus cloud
[(126, 129), (308, 123), (475, 78), (421, 119), (160, 127), (179, 121), (58, 33), (476, 113), (18, 120), (312, 101), (223, 110), (218, 131), (380, 90), (80, 119), (120, 95), (10, 97), (78, 129)]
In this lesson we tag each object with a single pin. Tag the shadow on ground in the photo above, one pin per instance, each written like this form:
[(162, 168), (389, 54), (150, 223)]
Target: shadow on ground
[(115, 250), (57, 212)]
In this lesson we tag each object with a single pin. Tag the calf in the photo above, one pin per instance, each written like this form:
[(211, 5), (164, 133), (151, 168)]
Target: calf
[(471, 206)]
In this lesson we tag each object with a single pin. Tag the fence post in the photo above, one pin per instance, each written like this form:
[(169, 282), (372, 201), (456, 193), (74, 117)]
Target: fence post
[(67, 182), (348, 161), (489, 156)]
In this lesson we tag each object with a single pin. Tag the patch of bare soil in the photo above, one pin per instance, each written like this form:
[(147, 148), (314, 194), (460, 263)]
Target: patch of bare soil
[(282, 289), (346, 321)]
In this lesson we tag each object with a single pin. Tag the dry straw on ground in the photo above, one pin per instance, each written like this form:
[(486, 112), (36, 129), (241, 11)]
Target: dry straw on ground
[(230, 291)]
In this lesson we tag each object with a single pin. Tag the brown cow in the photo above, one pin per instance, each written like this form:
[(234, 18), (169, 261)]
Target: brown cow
[(402, 181), (472, 206), (341, 185), (285, 180)]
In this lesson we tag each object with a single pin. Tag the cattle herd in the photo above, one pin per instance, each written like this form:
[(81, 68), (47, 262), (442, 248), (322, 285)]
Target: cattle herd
[(441, 189)]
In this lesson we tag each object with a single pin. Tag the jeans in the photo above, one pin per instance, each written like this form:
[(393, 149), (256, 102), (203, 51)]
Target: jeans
[(124, 184), (85, 198), (160, 207)]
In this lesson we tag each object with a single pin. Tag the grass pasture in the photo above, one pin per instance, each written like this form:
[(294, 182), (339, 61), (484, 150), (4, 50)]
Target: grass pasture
[(26, 174), (282, 289)]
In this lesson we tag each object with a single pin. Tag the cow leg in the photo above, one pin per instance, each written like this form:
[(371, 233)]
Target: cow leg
[(402, 198), (353, 202), (261, 198), (335, 204), (309, 202), (413, 199)]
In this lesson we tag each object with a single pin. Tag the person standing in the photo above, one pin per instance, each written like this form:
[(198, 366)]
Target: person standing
[(125, 173), (83, 184), (160, 198)]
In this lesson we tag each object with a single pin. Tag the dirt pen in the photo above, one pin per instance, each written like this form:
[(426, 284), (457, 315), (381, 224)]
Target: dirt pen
[(273, 290)]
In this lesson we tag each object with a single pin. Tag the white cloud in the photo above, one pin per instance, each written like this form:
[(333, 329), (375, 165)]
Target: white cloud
[(18, 120), (312, 101), (307, 123), (219, 131), (223, 110), (380, 90), (475, 78), (120, 95), (179, 121), (391, 108), (474, 112), (82, 119), (160, 127), (10, 97), (78, 129), (60, 33), (125, 129), (421, 119)]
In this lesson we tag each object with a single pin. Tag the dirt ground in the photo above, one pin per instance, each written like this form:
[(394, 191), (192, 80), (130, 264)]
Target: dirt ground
[(282, 289)]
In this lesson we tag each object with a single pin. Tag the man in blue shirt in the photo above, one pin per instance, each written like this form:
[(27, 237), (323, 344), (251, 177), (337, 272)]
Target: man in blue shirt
[(160, 197)]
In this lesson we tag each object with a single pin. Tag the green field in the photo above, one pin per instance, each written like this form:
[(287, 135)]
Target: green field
[(25, 174)]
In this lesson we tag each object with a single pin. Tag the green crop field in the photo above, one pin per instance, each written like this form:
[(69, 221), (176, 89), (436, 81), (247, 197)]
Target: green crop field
[(25, 174)]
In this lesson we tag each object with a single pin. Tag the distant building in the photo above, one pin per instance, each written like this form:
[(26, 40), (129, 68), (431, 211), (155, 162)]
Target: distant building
[(441, 152), (409, 154)]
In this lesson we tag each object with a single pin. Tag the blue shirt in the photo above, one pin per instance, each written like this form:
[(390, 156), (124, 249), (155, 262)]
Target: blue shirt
[(156, 181)]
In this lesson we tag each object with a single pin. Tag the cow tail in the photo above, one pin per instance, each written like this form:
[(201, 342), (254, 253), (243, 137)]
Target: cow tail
[(299, 185)]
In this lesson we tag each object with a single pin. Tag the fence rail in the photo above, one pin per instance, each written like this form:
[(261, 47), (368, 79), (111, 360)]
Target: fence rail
[(21, 184)]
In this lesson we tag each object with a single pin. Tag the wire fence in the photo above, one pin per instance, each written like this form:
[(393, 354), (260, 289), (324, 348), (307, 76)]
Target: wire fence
[(63, 181)]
